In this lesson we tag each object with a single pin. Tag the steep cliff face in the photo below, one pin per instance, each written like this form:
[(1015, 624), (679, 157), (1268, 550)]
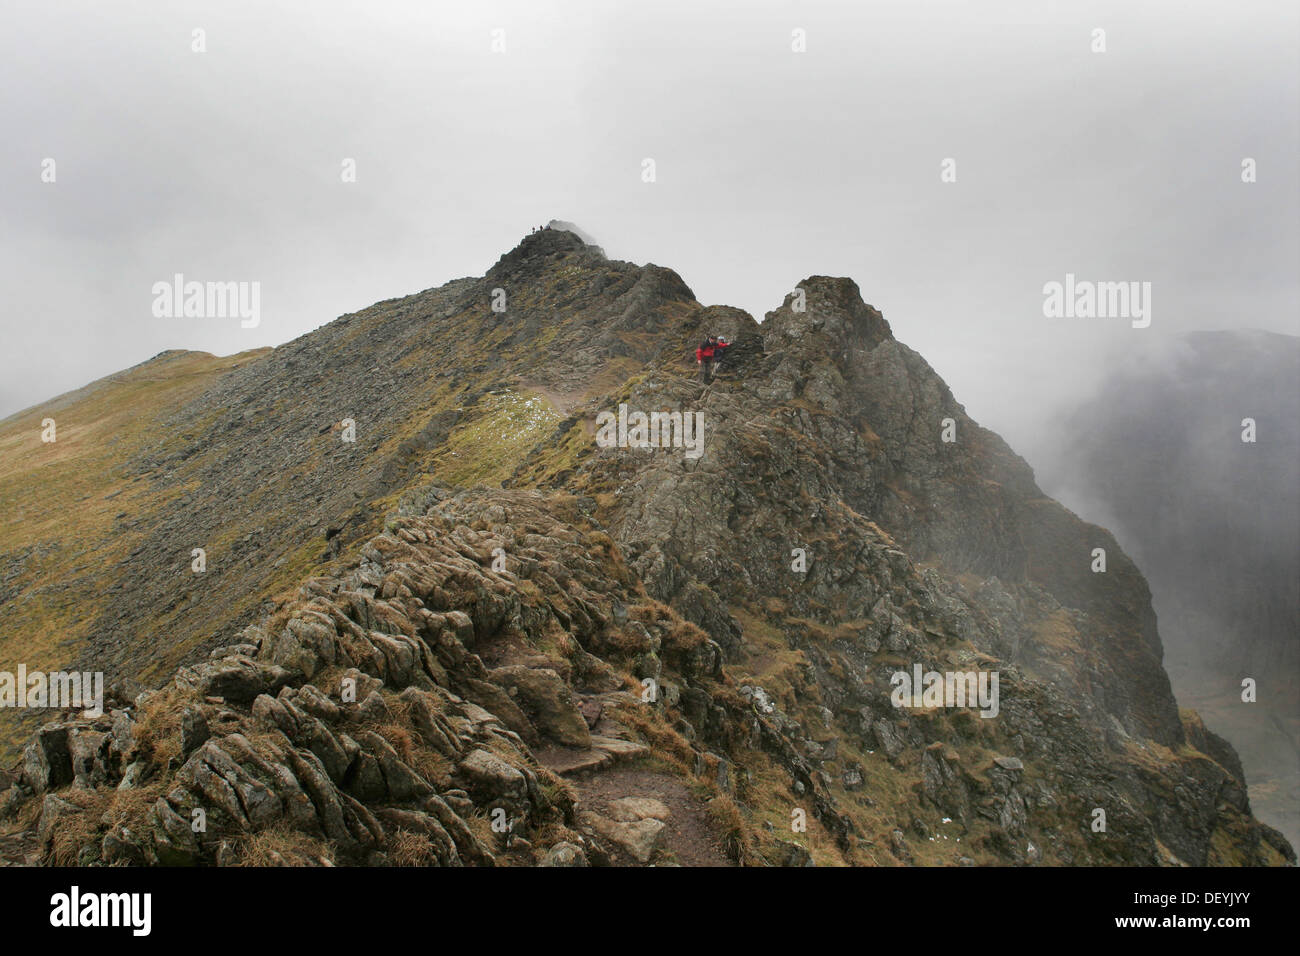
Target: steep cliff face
[(504, 613)]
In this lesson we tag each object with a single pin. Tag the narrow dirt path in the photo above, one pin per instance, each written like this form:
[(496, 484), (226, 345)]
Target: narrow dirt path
[(691, 838)]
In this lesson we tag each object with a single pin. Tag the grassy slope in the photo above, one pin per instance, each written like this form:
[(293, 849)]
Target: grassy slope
[(63, 502)]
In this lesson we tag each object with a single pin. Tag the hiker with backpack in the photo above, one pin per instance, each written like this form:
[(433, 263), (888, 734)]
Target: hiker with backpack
[(704, 357)]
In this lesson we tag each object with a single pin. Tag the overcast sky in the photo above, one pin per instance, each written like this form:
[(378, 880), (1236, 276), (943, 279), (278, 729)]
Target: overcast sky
[(771, 165)]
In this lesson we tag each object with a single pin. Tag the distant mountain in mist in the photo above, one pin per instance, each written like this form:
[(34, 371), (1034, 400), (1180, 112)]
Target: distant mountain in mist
[(1213, 521)]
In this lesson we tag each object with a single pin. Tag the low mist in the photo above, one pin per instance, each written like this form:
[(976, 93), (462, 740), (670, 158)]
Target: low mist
[(951, 158)]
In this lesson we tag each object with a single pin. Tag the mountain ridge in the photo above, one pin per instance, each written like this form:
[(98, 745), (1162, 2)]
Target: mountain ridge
[(823, 435)]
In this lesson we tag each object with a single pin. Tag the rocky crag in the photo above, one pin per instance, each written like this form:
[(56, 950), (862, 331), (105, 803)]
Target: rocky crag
[(475, 635)]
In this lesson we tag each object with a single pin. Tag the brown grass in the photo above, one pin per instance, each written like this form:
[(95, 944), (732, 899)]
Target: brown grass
[(668, 745), (737, 837), (651, 612), (684, 636), (406, 848), (76, 831), (432, 766), (158, 729), (281, 846), (130, 808), (401, 739)]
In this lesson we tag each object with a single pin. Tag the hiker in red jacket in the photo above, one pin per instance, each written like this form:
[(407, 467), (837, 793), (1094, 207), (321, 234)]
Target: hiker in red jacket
[(704, 357)]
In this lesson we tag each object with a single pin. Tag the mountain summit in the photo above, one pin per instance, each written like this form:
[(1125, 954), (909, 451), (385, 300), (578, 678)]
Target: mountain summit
[(438, 621)]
